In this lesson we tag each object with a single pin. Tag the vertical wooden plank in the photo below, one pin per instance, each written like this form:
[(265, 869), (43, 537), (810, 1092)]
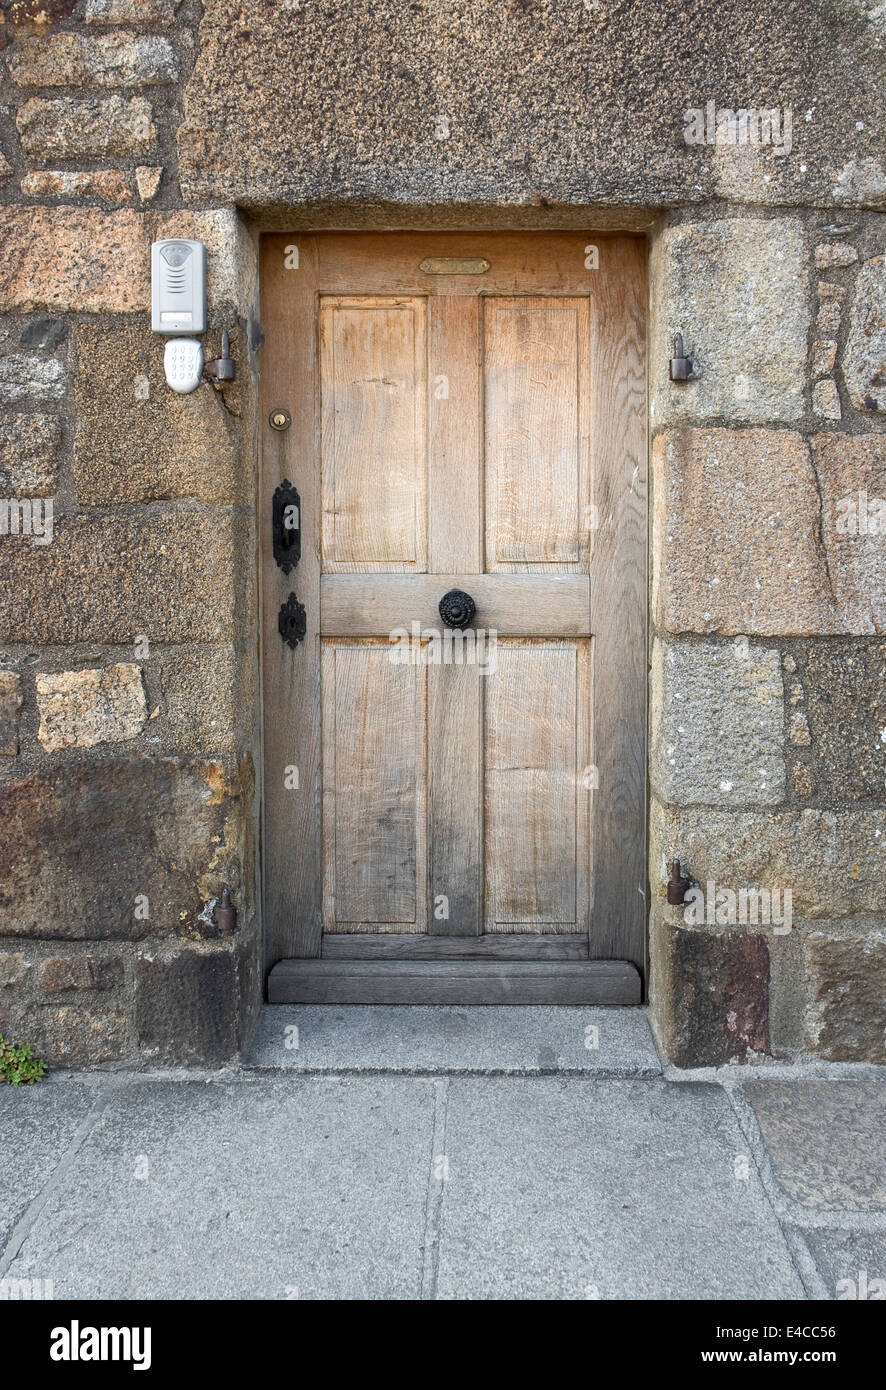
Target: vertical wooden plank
[(455, 835), (292, 841), (618, 603), (455, 508), (455, 716)]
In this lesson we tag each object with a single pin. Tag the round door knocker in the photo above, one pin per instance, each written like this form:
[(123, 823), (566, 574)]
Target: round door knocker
[(457, 608)]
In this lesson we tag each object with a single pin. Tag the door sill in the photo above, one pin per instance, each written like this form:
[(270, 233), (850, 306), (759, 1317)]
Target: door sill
[(454, 982), (424, 946)]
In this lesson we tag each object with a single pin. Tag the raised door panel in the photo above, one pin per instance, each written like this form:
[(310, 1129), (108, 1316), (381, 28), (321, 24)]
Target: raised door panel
[(374, 790), (373, 393), (536, 429), (537, 787)]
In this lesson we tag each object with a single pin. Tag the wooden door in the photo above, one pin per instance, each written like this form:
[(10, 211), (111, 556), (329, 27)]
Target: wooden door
[(456, 815)]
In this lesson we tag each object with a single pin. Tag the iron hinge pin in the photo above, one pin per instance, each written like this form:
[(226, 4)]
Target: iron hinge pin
[(677, 885)]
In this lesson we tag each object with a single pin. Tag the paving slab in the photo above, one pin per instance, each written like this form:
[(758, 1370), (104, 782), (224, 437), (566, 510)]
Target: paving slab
[(37, 1125), (851, 1263), (489, 1041), (826, 1140), (253, 1187), (560, 1189)]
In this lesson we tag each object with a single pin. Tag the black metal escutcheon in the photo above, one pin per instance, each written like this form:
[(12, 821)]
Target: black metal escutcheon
[(286, 522), (292, 622), (457, 608)]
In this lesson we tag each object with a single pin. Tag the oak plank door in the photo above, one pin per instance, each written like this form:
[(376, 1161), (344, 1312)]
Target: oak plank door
[(456, 819)]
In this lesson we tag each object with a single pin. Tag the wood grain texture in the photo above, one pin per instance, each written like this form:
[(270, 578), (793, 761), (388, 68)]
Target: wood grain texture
[(536, 386), (455, 829), (291, 816), (374, 774), (531, 462), (454, 982), (496, 946), (537, 812), (454, 430), (513, 605), (618, 607), (373, 391), (543, 263)]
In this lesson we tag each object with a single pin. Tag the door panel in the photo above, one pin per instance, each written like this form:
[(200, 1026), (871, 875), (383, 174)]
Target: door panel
[(373, 390), (452, 431), (536, 390), (537, 821), (374, 755)]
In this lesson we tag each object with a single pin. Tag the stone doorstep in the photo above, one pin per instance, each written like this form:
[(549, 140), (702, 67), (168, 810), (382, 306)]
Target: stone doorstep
[(441, 1040)]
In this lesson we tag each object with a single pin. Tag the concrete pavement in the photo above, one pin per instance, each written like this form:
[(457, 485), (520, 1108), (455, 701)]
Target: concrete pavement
[(450, 1154)]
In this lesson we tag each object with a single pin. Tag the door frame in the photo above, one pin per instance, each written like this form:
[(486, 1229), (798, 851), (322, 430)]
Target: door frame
[(618, 590)]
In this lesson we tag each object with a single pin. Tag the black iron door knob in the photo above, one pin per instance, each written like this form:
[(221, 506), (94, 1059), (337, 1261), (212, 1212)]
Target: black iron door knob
[(457, 608)]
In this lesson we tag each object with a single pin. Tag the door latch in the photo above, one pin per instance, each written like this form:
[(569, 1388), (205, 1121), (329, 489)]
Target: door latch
[(292, 622), (286, 522), (682, 367)]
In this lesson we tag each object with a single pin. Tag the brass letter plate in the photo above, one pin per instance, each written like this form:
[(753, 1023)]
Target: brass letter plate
[(454, 265)]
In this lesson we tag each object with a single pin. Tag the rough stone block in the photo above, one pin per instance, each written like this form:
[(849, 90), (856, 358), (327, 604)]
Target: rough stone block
[(79, 709), (173, 577), (34, 16), (717, 724), (148, 14), (110, 184), (736, 290), (834, 254), (862, 182), (163, 834), (67, 1036), (567, 104), (846, 685), (61, 973), (138, 441), (13, 969), (804, 780), (95, 128), (735, 534), (210, 699), (846, 1014), (824, 355), (834, 862), (710, 993), (147, 180), (231, 265), (10, 704), (851, 470), (826, 400), (187, 1007), (73, 59), (78, 259), (24, 377), (826, 1140), (830, 308), (864, 361)]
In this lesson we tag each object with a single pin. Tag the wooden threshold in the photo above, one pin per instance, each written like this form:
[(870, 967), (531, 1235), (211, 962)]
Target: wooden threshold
[(454, 982), (491, 946)]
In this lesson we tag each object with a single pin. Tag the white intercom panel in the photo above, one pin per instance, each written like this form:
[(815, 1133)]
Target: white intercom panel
[(178, 286)]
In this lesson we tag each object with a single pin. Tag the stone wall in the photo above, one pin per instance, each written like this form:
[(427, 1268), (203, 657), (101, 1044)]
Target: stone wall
[(768, 686), (128, 657), (128, 704)]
